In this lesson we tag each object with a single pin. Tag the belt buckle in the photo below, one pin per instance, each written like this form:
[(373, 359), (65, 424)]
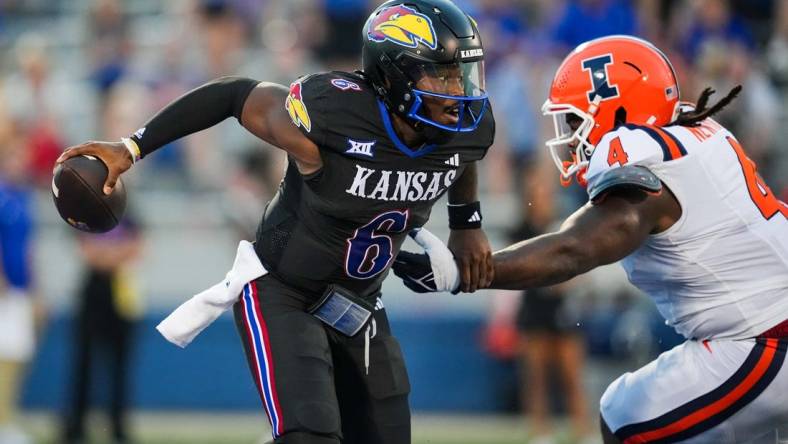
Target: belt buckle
[(342, 310)]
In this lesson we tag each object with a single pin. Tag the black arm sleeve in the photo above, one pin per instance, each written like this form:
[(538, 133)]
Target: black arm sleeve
[(196, 110)]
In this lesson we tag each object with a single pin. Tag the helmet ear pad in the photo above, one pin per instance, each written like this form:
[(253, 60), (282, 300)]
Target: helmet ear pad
[(621, 116), (397, 87)]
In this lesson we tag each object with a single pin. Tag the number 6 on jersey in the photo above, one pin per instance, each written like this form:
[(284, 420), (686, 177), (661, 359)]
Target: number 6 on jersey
[(371, 241)]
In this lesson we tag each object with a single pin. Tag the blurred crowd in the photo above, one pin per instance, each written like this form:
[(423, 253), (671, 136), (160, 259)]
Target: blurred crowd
[(75, 70), (95, 69)]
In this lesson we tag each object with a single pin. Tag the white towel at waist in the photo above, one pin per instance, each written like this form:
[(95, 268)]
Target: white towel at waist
[(194, 315)]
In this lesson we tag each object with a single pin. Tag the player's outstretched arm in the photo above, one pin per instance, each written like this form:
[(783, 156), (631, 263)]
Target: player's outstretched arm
[(597, 234), (199, 109)]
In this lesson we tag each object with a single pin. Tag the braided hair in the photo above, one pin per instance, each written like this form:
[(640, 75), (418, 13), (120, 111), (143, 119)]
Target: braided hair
[(700, 113)]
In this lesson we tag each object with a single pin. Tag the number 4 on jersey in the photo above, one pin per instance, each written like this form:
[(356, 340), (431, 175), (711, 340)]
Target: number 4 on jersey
[(616, 153)]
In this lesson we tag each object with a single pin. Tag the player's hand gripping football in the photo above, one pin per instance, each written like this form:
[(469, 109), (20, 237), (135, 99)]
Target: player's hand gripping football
[(431, 271), (114, 154), (473, 255)]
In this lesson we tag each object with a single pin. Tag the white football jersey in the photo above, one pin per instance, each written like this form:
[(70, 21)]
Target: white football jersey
[(721, 271)]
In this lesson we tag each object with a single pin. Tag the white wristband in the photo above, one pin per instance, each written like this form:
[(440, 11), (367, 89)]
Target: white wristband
[(133, 149)]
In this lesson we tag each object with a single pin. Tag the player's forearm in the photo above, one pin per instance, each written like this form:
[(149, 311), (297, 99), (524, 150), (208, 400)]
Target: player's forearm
[(596, 234), (464, 189), (539, 262), (196, 110), (465, 210)]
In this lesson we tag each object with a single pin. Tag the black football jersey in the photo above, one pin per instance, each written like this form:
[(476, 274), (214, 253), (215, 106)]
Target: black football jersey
[(345, 223)]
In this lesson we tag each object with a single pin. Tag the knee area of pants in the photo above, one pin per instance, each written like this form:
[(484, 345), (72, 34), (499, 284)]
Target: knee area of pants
[(305, 438), (319, 418), (393, 410)]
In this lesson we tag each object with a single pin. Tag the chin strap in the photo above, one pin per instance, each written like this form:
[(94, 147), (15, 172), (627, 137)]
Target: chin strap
[(580, 175)]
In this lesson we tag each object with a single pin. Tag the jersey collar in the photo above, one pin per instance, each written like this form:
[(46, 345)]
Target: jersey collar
[(384, 115)]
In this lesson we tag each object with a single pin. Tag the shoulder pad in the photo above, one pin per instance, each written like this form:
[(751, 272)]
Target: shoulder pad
[(623, 146), (630, 145), (626, 176)]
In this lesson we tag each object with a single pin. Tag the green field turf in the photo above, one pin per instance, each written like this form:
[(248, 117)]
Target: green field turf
[(245, 428)]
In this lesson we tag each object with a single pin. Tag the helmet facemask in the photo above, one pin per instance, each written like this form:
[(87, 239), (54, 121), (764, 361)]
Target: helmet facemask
[(447, 96), (570, 149)]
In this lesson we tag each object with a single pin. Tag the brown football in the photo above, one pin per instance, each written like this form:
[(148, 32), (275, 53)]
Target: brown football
[(77, 189)]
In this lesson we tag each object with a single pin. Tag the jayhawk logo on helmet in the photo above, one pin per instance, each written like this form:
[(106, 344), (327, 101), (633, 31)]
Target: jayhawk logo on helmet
[(296, 107), (403, 26)]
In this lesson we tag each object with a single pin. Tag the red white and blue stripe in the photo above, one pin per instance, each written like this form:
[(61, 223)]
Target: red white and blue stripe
[(262, 365)]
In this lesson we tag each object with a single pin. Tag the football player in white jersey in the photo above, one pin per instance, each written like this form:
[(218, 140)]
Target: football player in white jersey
[(675, 198)]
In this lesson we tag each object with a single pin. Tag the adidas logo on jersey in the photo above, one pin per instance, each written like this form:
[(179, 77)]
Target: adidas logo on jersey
[(361, 148), (453, 160), (475, 217)]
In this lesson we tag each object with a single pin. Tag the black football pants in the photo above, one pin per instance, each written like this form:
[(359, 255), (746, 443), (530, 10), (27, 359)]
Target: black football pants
[(314, 382)]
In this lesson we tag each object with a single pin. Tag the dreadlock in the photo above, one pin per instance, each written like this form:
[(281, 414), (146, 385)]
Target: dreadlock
[(700, 113)]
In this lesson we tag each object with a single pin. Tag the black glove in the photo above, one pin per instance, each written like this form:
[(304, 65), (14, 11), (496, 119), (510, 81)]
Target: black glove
[(415, 271)]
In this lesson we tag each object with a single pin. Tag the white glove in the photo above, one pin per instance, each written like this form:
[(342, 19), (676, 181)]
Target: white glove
[(431, 272)]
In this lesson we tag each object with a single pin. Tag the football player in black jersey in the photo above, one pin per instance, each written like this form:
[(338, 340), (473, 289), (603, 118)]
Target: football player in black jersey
[(369, 153)]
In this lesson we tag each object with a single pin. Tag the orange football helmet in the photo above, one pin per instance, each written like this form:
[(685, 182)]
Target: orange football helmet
[(604, 80)]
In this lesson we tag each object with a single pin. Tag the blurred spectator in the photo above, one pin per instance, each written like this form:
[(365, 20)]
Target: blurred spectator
[(16, 279), (583, 20), (549, 334), (757, 16), (518, 65), (110, 46), (251, 185), (221, 39), (30, 107), (108, 308), (542, 333), (777, 65), (502, 26), (47, 108), (714, 21), (511, 88), (777, 51), (721, 52), (341, 47), (289, 34)]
